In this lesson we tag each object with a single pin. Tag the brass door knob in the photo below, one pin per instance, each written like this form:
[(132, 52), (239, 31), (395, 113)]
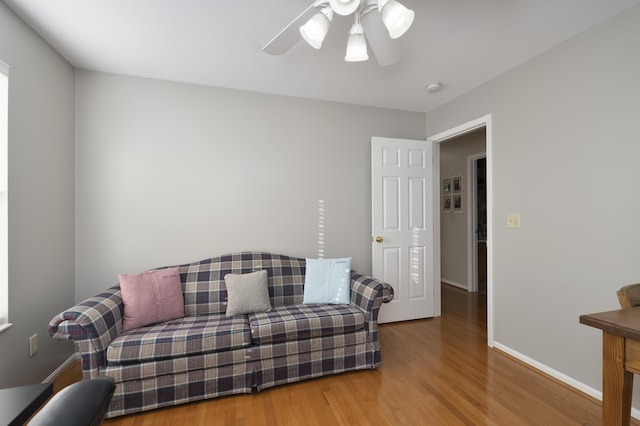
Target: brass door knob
[(379, 239)]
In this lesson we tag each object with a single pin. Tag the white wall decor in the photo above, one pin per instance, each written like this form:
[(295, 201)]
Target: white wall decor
[(452, 195)]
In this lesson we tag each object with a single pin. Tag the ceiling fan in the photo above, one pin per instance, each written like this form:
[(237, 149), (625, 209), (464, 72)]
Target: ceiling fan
[(378, 30)]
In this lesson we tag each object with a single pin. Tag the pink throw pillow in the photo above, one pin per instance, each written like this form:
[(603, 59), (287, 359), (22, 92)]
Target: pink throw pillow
[(151, 297)]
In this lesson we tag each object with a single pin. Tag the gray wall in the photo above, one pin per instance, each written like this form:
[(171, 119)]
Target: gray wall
[(566, 148), (41, 200), (170, 173), (453, 226)]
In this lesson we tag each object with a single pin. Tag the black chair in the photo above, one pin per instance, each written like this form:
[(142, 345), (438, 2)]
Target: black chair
[(83, 403)]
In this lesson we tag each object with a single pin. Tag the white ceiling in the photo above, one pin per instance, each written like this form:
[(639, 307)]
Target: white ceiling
[(461, 43)]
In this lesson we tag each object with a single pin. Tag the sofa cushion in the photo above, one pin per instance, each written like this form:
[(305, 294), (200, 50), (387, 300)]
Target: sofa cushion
[(185, 336), (328, 281), (304, 321), (151, 297), (204, 287), (247, 293)]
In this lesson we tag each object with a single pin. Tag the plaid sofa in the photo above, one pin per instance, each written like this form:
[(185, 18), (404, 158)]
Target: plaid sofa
[(206, 354)]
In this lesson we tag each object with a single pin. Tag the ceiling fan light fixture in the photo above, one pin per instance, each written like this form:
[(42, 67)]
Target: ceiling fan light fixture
[(317, 27), (356, 45), (344, 7), (396, 17)]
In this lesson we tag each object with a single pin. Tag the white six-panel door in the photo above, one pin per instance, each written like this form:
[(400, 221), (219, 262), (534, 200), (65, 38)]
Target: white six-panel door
[(402, 245)]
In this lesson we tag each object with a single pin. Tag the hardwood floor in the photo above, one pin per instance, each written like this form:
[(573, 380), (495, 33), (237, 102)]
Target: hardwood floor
[(437, 371)]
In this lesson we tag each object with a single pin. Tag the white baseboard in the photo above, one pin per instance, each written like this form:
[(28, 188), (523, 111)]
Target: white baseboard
[(594, 393), (61, 368), (455, 284)]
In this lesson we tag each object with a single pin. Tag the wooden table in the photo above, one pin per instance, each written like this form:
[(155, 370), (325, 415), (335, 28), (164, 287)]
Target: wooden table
[(20, 403), (620, 360)]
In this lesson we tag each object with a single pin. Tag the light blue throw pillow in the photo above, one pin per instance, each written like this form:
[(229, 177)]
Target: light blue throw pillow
[(328, 281)]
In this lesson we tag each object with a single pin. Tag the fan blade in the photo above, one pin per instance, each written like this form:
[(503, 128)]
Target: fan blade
[(290, 35), (386, 50)]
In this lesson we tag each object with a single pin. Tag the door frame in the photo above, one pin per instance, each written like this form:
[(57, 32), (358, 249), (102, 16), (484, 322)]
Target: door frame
[(436, 140), (472, 221)]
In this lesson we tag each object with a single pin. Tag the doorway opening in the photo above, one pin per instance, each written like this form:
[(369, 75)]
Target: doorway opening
[(463, 225), (477, 222), (481, 223), (467, 229)]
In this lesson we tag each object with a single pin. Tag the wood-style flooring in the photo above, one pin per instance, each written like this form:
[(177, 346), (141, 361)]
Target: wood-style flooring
[(437, 371)]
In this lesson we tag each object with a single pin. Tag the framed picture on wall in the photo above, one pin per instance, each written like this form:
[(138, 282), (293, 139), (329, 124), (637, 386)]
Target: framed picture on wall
[(452, 194), (457, 203), (447, 203), (446, 186), (456, 183)]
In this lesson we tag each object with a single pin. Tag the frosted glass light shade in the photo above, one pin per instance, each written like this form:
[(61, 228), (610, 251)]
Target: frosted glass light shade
[(356, 45), (316, 28), (396, 17)]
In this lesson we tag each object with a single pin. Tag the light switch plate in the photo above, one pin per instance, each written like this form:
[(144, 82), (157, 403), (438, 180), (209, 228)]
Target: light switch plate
[(33, 345), (513, 221)]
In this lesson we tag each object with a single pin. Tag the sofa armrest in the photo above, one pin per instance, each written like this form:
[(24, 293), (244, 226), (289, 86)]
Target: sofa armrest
[(92, 325), (368, 294)]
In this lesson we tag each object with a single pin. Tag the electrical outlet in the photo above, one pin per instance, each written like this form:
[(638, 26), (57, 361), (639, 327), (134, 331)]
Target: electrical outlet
[(513, 221), (33, 345)]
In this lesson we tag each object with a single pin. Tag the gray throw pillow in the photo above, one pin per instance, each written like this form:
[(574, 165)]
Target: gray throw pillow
[(247, 293)]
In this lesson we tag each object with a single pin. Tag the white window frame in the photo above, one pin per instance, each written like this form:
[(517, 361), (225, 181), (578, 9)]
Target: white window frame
[(4, 227)]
